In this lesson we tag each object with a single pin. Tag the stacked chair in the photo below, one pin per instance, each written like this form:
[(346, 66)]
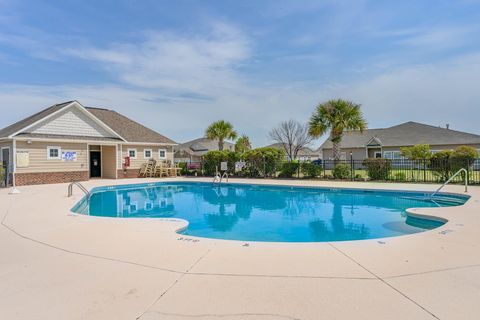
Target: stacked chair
[(159, 169)]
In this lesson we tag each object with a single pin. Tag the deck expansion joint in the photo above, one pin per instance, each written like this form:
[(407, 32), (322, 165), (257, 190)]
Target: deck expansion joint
[(173, 284), (385, 282)]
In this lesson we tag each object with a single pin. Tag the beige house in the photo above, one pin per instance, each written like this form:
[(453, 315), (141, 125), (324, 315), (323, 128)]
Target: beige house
[(304, 154), (386, 143), (69, 142), (194, 150)]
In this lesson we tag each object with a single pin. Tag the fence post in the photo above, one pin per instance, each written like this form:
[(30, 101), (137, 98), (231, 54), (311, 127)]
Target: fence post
[(424, 170), (264, 168), (467, 178), (352, 173), (298, 169)]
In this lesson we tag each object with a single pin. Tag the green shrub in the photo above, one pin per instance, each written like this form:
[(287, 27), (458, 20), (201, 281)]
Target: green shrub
[(378, 169), (289, 169), (416, 152), (358, 176), (447, 162), (440, 164), (400, 176), (310, 170), (463, 157), (2, 176), (341, 171), (262, 162), (212, 160)]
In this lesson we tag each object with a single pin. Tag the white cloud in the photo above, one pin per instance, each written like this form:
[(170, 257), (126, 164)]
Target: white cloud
[(175, 63), (433, 94), (434, 38), (177, 84)]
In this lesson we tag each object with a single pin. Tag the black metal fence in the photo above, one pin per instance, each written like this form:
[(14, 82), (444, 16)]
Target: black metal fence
[(4, 175), (397, 170)]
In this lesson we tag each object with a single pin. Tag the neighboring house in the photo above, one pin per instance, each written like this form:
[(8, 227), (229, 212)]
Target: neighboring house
[(386, 143), (305, 154), (193, 151), (69, 142)]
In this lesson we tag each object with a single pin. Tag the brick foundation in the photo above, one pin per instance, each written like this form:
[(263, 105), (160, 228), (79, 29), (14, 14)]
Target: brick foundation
[(23, 179), (128, 174)]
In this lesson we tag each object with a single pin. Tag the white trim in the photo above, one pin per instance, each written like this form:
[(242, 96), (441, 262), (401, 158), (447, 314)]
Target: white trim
[(151, 143), (121, 157), (159, 156), (151, 154), (72, 104), (101, 162), (132, 149), (59, 157), (116, 161), (100, 122), (92, 142), (40, 120)]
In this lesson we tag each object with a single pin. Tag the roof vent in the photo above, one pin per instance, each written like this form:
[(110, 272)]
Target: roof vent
[(448, 126)]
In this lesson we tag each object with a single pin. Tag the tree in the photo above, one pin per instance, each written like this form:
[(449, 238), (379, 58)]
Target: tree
[(243, 144), (416, 152), (293, 136), (220, 130), (337, 116)]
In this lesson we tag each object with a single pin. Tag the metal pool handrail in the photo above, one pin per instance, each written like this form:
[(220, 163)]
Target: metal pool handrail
[(451, 178), (80, 186)]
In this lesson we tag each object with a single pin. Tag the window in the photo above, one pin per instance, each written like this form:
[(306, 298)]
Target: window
[(147, 153), (54, 153), (392, 155), (132, 153), (378, 154), (162, 154)]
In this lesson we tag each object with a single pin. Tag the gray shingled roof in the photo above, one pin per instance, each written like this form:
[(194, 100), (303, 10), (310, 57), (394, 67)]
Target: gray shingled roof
[(200, 146), (406, 134), (128, 129), (305, 151)]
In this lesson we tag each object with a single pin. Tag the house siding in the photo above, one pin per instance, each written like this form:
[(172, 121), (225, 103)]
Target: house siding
[(137, 163), (360, 153), (38, 162), (71, 121)]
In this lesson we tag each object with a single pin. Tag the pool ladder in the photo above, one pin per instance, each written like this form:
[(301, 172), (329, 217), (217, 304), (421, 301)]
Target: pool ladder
[(218, 178), (451, 178), (80, 186)]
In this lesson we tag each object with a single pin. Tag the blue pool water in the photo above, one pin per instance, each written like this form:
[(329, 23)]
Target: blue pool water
[(268, 213)]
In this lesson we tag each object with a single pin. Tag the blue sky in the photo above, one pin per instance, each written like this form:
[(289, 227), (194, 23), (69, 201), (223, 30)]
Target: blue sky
[(177, 65)]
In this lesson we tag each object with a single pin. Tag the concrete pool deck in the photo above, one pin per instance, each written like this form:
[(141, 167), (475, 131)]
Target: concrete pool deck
[(59, 265)]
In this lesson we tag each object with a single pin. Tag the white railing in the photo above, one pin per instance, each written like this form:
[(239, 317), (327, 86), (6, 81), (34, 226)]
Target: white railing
[(451, 178), (80, 186)]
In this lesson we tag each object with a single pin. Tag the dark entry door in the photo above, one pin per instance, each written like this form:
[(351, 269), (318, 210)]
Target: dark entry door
[(95, 164), (6, 164)]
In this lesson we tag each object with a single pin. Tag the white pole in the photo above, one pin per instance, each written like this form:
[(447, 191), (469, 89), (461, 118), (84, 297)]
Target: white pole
[(14, 190)]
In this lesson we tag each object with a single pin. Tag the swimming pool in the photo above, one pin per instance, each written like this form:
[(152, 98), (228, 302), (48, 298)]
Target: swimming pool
[(251, 212)]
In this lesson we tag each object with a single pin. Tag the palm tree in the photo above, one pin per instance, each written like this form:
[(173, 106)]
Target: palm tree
[(337, 116), (243, 144), (220, 130)]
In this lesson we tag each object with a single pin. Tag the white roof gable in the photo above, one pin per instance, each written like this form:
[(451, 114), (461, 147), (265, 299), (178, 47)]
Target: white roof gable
[(71, 121)]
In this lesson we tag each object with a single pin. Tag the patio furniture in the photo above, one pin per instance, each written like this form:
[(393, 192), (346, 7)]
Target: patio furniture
[(149, 168), (143, 170), (160, 169), (174, 170)]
